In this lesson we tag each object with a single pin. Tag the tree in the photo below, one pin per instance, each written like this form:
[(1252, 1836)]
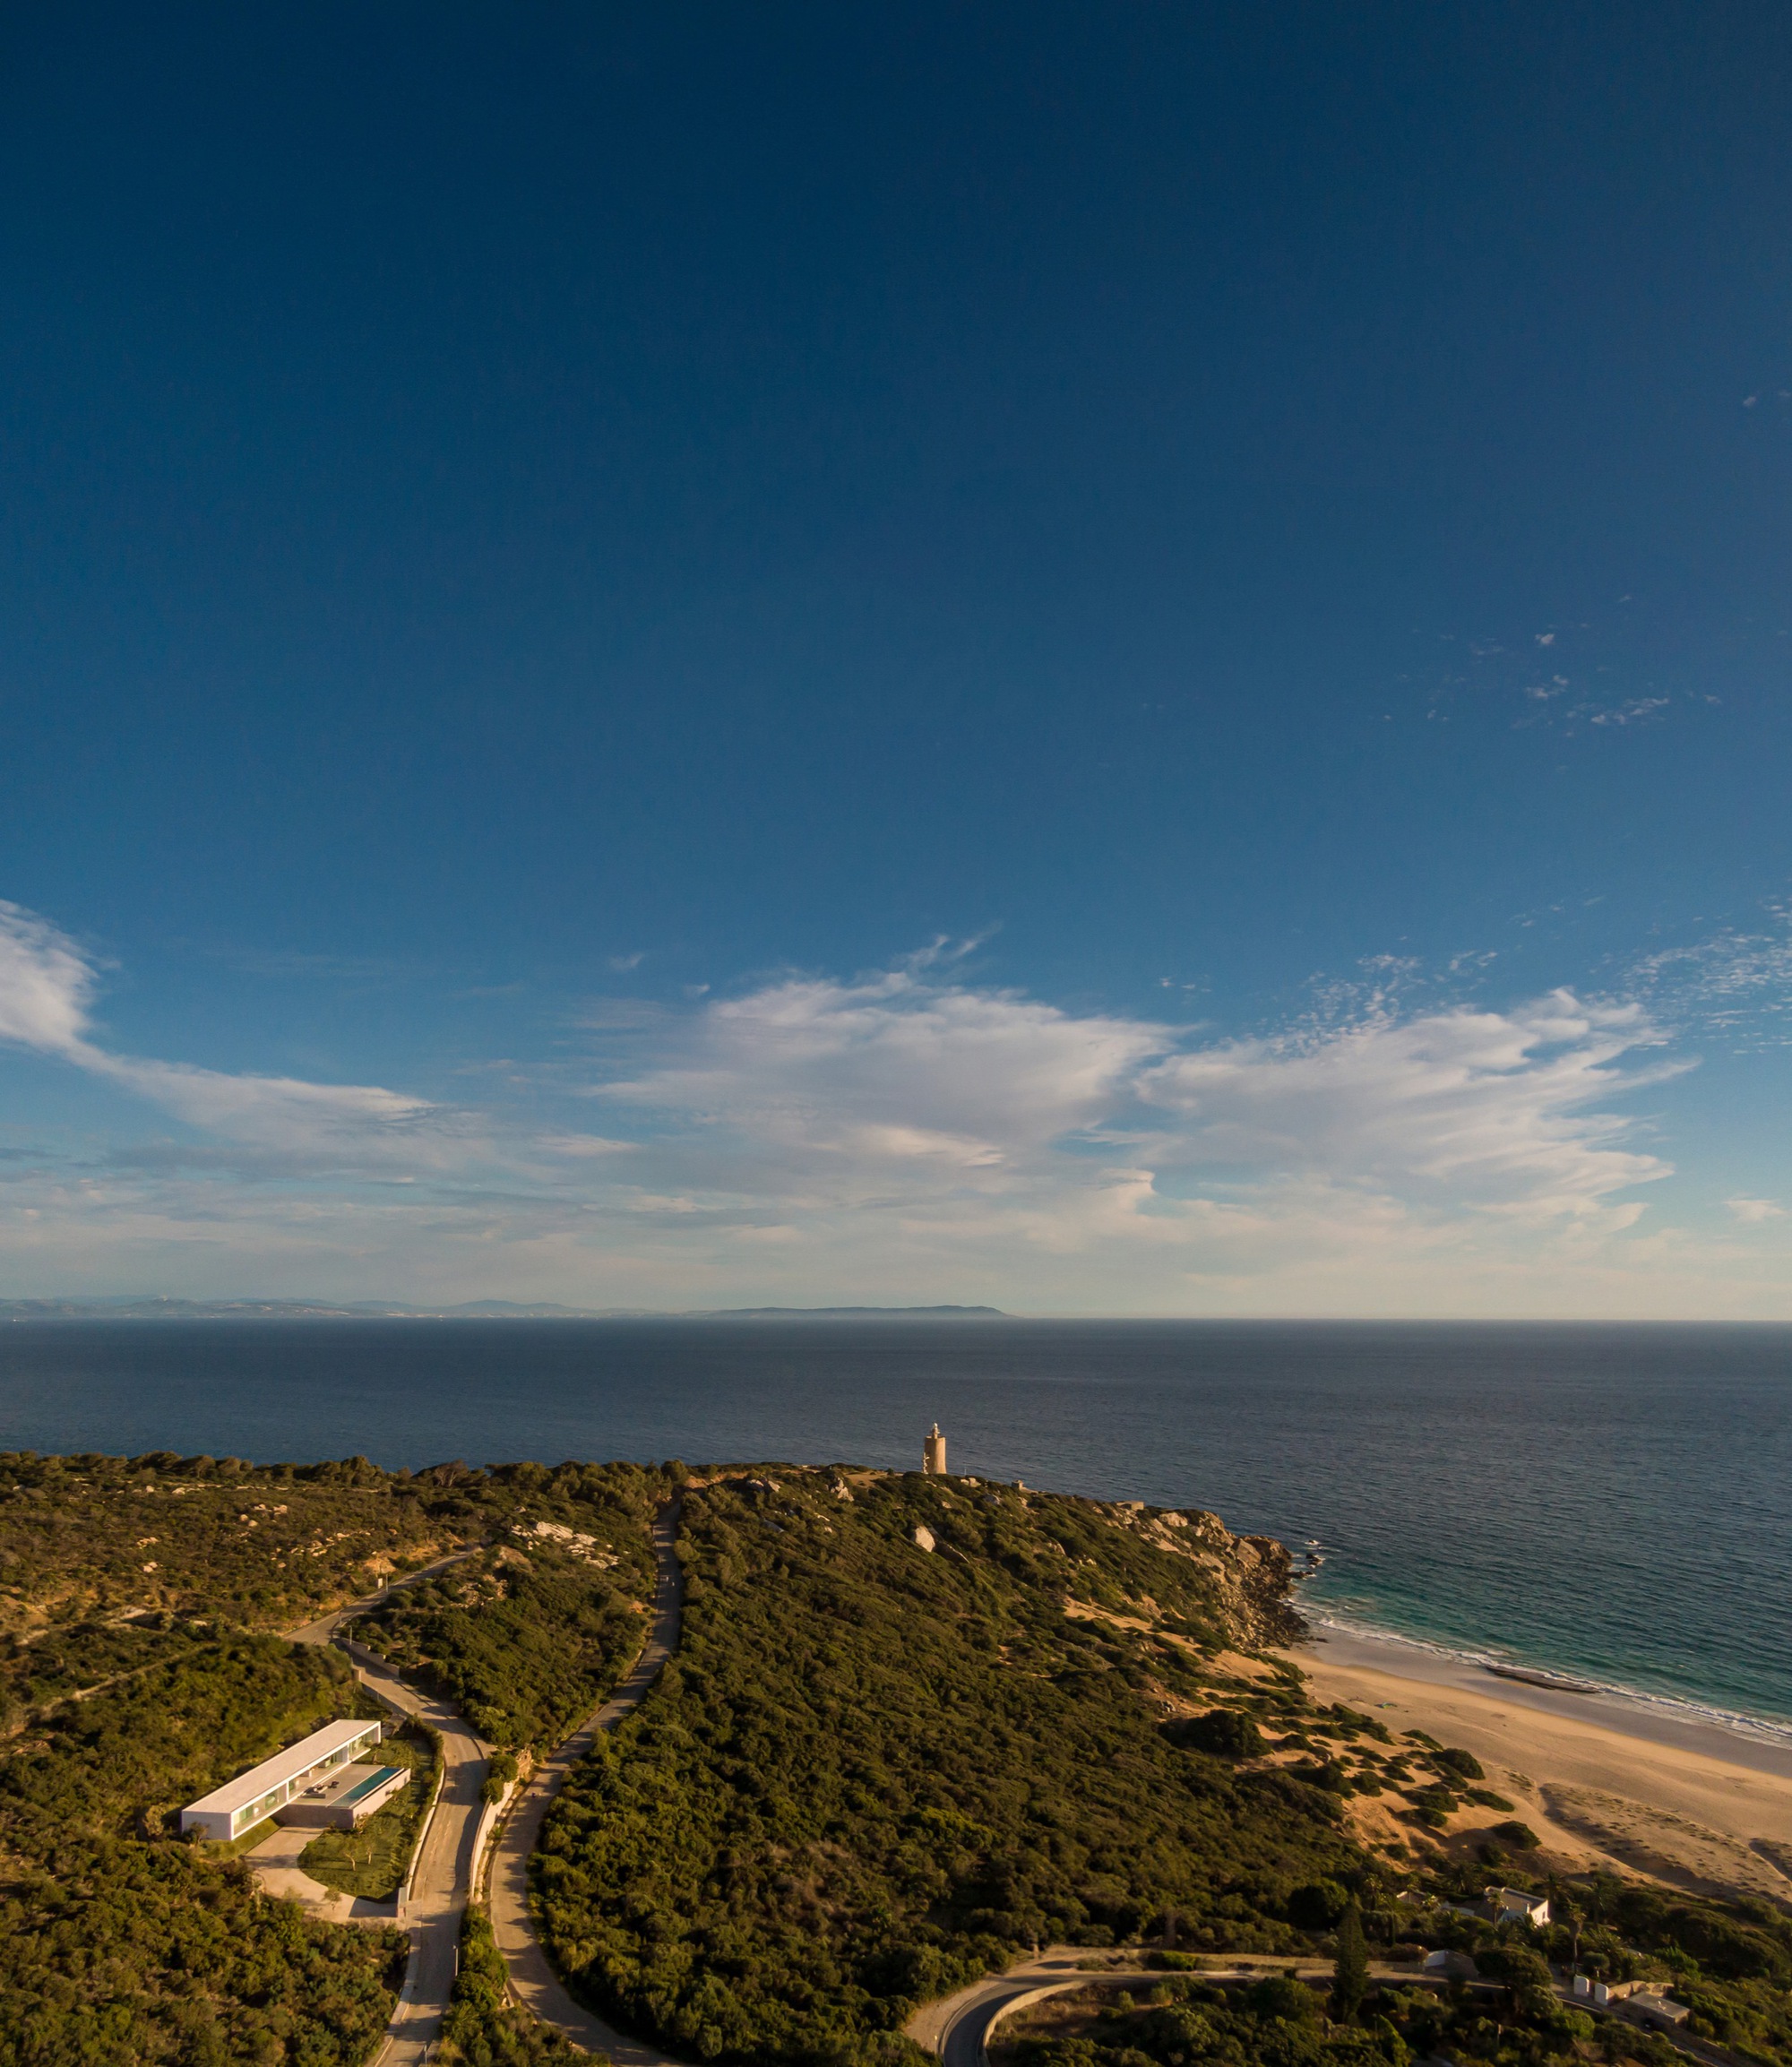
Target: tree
[(1566, 1912), (1317, 1905), (1350, 1978), (1281, 1995)]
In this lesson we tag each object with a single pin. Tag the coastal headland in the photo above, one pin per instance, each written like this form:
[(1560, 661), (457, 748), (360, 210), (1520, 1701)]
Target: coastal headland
[(774, 1762)]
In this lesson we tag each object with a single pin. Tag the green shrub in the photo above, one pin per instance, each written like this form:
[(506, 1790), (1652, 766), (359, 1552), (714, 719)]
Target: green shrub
[(481, 2029), (527, 1637), (1278, 1996), (1486, 1798), (1223, 1732), (1465, 1765), (106, 1920)]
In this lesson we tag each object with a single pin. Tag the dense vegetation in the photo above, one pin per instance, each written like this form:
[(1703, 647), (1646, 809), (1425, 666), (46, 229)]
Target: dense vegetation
[(86, 1541), (529, 1636), (1512, 2014), (117, 1942), (481, 2029), (147, 1585), (1280, 2022), (915, 1727), (1730, 1962), (874, 1770)]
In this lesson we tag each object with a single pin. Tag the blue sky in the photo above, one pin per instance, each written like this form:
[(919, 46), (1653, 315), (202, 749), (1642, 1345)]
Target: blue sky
[(1103, 659)]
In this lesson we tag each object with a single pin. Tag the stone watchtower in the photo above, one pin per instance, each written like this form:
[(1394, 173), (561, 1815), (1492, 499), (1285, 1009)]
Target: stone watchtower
[(933, 1454)]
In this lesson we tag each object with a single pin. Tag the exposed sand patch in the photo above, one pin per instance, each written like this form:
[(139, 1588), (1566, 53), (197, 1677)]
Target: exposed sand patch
[(1669, 1846), (1593, 1793), (1086, 1611)]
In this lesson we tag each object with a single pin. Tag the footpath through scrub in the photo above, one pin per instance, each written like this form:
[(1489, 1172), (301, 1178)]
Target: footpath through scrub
[(533, 1983)]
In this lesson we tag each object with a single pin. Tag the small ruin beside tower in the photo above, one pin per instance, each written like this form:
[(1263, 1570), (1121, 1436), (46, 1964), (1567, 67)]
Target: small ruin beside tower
[(933, 1454)]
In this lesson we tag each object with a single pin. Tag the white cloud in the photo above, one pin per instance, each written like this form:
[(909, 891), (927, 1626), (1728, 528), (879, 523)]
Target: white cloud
[(894, 1069), (1755, 1213), (1471, 1109), (46, 986), (275, 1112), (1630, 713), (907, 1117), (1734, 982), (913, 1135)]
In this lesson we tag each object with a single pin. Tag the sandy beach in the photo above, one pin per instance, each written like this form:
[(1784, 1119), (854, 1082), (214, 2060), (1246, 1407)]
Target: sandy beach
[(1599, 1779)]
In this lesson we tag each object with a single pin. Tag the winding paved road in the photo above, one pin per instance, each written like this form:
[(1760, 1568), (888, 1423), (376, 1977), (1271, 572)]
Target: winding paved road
[(532, 1979), (445, 1860), (957, 2028), (442, 1873)]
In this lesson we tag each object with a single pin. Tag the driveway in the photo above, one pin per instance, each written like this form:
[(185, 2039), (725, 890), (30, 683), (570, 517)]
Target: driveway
[(442, 1872), (275, 1863)]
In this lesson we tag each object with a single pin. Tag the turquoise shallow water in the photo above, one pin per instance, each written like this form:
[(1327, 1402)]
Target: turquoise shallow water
[(1614, 1502)]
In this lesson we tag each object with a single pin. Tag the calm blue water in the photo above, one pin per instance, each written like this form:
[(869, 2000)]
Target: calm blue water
[(1612, 1502)]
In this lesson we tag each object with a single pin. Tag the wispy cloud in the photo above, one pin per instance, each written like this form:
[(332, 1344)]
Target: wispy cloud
[(892, 1067), (46, 984), (46, 990), (1635, 711), (1470, 1110), (1735, 981), (909, 1101), (1593, 675), (914, 1133)]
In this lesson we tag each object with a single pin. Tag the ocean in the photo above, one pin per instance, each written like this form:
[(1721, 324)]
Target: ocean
[(1613, 1503)]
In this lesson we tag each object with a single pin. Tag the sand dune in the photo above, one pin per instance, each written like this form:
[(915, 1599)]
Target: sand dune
[(1691, 1804)]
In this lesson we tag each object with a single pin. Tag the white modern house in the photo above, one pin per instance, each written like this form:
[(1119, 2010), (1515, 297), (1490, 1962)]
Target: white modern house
[(1512, 1905), (252, 1796)]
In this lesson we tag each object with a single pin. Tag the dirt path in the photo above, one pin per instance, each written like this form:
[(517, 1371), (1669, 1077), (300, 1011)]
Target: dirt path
[(532, 1978)]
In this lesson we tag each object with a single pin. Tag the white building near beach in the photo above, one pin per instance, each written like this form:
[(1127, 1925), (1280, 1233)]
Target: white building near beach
[(1510, 1905)]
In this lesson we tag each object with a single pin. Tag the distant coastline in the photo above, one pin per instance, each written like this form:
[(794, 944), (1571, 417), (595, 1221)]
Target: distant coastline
[(155, 1307)]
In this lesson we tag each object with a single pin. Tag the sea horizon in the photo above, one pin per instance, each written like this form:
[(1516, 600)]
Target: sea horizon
[(1598, 1500), (248, 1307)]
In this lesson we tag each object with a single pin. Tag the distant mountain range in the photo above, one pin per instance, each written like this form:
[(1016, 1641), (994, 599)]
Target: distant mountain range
[(157, 1308)]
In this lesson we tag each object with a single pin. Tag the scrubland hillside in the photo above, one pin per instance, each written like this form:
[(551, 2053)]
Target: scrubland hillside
[(915, 1728)]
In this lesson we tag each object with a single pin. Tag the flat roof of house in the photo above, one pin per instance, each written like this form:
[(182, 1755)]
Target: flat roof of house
[(284, 1766)]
